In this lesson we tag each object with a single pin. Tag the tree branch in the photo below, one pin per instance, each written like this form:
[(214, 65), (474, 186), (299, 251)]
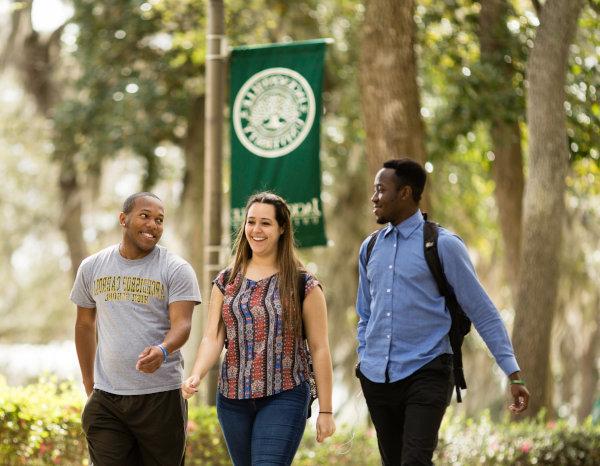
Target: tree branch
[(595, 5), (537, 6), (20, 24)]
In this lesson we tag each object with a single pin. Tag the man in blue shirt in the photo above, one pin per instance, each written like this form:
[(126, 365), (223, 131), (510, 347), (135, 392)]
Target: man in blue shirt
[(405, 362)]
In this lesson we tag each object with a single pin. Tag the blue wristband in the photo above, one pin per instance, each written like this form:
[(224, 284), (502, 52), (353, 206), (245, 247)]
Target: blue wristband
[(164, 352)]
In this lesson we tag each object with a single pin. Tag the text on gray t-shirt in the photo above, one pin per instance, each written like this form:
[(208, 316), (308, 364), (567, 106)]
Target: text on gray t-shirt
[(131, 298)]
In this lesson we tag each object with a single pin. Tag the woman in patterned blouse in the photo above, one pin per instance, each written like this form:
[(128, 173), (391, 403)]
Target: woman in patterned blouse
[(256, 312)]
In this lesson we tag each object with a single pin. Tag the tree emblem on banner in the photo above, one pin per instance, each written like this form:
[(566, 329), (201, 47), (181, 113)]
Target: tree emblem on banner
[(273, 112)]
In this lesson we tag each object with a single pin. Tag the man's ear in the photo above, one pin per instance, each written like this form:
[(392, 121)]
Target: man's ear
[(122, 218), (406, 192)]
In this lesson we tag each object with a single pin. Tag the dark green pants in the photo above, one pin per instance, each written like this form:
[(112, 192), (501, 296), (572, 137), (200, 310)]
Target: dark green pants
[(132, 430)]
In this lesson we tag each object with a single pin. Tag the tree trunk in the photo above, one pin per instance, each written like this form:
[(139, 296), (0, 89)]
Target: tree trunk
[(388, 83), (213, 156), (190, 210), (589, 370), (507, 167), (70, 220), (36, 58), (544, 206), (339, 264), (190, 213), (507, 171), (20, 27)]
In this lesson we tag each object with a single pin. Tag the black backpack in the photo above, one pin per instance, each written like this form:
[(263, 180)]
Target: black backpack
[(461, 324)]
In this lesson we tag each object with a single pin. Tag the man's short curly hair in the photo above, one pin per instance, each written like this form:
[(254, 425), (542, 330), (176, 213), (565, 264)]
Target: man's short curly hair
[(130, 201)]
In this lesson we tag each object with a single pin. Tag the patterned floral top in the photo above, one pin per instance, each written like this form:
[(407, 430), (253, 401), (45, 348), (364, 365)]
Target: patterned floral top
[(261, 359)]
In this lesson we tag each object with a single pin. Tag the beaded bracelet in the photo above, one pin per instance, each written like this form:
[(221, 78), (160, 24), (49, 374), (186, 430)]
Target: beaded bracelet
[(517, 382)]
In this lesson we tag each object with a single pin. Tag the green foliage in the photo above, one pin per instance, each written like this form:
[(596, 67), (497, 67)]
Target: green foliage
[(482, 442), (583, 86), (462, 193), (205, 444), (33, 275), (139, 74), (461, 89), (140, 70), (40, 425), (348, 446)]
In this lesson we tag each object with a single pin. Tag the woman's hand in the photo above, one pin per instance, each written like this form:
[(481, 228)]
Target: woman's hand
[(190, 387), (325, 426)]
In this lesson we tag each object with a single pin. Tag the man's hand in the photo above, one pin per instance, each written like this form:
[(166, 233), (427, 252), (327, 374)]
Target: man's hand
[(150, 359), (190, 387), (520, 396)]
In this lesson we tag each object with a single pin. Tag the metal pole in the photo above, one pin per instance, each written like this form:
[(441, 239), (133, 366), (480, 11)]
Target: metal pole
[(213, 155)]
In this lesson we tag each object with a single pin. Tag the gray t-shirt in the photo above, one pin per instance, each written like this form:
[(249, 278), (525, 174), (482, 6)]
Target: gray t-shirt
[(132, 298)]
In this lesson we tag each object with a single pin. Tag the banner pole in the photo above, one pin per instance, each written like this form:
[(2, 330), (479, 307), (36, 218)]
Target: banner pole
[(213, 156)]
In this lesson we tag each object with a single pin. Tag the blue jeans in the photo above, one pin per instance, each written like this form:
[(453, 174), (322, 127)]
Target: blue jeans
[(264, 431)]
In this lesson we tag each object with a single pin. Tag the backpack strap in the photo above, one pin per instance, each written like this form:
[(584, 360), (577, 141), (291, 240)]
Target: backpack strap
[(460, 323), (301, 295), (371, 244)]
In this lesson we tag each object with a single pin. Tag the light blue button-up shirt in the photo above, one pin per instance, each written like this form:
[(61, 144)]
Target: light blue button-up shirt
[(403, 321)]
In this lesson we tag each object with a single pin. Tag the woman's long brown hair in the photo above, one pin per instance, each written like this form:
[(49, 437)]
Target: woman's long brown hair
[(288, 263)]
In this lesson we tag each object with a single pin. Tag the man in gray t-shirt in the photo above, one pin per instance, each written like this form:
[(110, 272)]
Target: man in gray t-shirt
[(134, 309)]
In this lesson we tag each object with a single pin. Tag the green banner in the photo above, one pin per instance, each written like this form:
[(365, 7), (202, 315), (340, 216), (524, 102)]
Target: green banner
[(275, 119)]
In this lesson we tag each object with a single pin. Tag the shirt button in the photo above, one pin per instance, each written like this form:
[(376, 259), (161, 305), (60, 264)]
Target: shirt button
[(394, 244), (390, 267), (388, 336), (389, 314), (386, 357), (388, 290)]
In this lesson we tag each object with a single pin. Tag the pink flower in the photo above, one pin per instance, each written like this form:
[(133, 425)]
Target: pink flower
[(191, 426), (526, 446), (551, 424)]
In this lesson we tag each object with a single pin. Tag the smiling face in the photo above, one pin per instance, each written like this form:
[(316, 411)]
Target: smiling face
[(390, 202), (262, 230), (142, 227)]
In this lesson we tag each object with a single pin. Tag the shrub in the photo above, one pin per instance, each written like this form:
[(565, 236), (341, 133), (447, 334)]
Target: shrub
[(205, 444), (555, 443), (348, 446), (40, 424)]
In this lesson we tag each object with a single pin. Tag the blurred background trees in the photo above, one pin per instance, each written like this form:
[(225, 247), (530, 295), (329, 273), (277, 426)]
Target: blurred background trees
[(110, 101)]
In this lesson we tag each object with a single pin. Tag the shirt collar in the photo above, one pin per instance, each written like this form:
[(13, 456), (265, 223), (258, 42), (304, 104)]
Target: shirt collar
[(406, 227)]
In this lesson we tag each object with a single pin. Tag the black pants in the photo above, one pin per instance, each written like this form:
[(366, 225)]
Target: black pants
[(136, 430), (407, 414)]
